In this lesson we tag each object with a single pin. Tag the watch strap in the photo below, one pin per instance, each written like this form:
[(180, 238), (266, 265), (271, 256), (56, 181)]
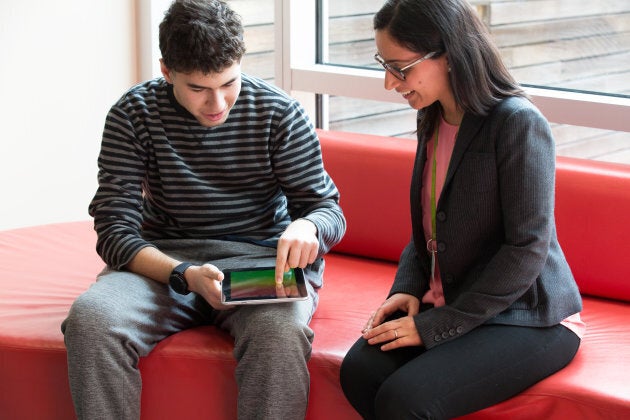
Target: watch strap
[(180, 268), (177, 281)]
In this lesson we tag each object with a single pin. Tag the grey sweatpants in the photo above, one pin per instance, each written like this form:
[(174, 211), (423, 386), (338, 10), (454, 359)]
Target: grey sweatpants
[(122, 316)]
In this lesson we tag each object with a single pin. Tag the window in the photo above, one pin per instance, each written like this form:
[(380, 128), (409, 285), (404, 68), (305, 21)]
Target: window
[(258, 23), (573, 56), (347, 76), (569, 44), (259, 35)]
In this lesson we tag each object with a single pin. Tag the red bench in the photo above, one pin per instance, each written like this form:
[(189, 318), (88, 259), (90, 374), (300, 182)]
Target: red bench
[(44, 268)]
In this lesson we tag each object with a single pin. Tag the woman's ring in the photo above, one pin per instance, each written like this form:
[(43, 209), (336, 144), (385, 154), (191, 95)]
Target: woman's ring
[(395, 334)]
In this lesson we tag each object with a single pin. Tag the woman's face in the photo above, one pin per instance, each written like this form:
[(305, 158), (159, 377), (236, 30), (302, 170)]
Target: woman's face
[(425, 82)]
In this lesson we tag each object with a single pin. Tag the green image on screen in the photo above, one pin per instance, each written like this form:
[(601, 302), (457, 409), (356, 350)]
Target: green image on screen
[(261, 284)]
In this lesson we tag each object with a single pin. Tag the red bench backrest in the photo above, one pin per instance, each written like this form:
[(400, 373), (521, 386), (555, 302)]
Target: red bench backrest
[(592, 207), (373, 175), (593, 222)]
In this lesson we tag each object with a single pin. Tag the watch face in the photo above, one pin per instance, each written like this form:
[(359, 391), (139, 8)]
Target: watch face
[(178, 284)]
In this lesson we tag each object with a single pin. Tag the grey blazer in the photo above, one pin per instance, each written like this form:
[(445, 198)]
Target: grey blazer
[(499, 256)]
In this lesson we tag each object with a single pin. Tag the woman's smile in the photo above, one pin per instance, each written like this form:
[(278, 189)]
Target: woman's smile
[(407, 94)]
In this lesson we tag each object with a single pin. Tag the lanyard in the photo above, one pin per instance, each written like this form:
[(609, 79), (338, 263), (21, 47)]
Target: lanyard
[(433, 182), (432, 243)]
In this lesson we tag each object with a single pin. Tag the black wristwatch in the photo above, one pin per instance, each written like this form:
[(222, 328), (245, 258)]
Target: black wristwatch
[(177, 280)]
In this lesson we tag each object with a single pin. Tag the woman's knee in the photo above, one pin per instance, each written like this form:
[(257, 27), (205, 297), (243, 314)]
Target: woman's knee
[(396, 401), (355, 364), (361, 373)]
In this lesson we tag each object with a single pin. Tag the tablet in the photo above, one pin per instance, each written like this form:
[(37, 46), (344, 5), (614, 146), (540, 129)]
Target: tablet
[(258, 286)]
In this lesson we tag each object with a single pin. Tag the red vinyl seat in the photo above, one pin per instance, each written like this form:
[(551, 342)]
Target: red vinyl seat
[(191, 374)]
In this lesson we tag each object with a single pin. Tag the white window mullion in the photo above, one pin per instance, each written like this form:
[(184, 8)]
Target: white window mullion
[(149, 14), (324, 106), (583, 109), (295, 46), (580, 109)]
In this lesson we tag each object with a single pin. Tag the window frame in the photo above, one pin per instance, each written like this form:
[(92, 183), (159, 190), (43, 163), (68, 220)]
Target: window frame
[(297, 71)]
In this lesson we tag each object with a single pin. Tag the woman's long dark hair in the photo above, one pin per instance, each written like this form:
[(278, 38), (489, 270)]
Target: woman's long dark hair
[(478, 77)]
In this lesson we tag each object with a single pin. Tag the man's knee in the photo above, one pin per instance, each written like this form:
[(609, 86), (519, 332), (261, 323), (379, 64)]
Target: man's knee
[(88, 314)]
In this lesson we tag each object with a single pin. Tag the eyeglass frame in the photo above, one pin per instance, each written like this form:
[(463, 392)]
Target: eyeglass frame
[(399, 73)]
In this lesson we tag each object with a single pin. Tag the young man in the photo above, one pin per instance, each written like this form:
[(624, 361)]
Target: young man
[(203, 170)]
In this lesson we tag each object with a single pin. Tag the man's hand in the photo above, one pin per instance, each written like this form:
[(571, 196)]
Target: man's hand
[(205, 280), (298, 246)]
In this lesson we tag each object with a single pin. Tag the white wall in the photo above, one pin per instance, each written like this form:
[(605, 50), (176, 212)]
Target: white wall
[(62, 64)]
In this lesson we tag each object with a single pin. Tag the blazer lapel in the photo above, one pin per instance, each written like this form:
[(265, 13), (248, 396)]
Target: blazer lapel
[(468, 129)]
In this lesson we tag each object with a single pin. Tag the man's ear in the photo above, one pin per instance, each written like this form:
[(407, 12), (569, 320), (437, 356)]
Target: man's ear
[(166, 72)]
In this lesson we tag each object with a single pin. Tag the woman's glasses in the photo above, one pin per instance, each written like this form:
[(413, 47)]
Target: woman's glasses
[(399, 73)]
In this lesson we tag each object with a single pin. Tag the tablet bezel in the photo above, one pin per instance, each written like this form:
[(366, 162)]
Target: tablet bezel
[(226, 285)]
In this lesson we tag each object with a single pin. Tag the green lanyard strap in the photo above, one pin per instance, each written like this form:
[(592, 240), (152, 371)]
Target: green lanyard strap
[(433, 182), (432, 243)]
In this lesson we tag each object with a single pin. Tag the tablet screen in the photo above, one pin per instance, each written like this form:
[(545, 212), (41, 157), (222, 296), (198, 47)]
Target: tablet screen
[(258, 285)]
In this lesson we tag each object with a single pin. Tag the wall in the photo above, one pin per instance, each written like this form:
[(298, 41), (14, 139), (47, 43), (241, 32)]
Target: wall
[(62, 64)]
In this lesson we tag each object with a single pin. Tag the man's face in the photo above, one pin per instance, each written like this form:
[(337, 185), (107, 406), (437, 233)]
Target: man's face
[(208, 97)]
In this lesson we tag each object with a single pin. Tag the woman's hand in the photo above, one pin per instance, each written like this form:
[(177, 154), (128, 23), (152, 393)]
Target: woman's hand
[(400, 332)]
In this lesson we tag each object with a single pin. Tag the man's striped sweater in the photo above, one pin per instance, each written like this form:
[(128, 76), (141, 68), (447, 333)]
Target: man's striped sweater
[(163, 175)]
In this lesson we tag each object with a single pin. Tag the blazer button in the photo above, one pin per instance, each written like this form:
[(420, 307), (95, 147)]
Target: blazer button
[(441, 216), (437, 338), (449, 278), (441, 247), (460, 329), (451, 332), (445, 335)]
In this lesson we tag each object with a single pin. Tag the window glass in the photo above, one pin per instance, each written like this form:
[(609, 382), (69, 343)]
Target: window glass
[(258, 22), (399, 120), (575, 45), (371, 117), (568, 44), (592, 143), (350, 34), (579, 45)]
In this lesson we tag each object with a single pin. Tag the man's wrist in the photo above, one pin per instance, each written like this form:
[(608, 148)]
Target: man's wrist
[(310, 222), (177, 280)]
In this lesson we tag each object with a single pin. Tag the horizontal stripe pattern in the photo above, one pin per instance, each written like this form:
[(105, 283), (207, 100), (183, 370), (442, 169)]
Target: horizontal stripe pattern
[(163, 175)]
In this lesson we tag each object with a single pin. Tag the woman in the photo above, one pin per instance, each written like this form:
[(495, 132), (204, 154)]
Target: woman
[(483, 304)]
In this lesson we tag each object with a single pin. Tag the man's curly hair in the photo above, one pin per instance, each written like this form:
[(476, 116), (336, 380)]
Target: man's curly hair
[(201, 35)]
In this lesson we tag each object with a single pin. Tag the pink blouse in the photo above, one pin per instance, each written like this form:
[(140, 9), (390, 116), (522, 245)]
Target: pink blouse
[(446, 143)]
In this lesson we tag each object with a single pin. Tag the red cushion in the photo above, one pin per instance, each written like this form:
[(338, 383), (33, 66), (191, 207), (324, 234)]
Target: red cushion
[(593, 386), (198, 362), (593, 221), (190, 374), (44, 268)]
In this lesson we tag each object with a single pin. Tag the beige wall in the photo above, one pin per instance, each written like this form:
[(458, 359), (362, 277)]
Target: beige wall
[(62, 64)]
